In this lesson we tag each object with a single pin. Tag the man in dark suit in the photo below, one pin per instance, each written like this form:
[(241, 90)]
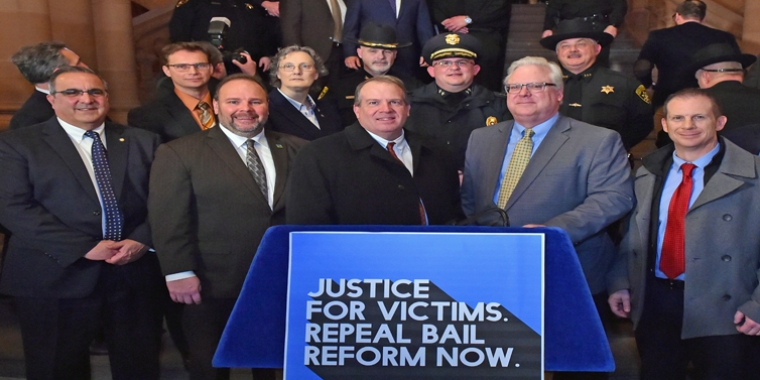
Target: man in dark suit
[(37, 63), (411, 19), (374, 172), (187, 109), (78, 258), (547, 169), (212, 196), (317, 24), (291, 109), (688, 268)]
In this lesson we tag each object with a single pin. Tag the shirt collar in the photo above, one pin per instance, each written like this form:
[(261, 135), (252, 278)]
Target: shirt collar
[(77, 134), (190, 102), (540, 130), (399, 140), (701, 162), (239, 141), (42, 90), (444, 94), (297, 104)]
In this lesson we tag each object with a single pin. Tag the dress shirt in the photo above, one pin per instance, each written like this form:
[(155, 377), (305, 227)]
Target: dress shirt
[(401, 148), (518, 131), (191, 104), (671, 184), (42, 90), (307, 108), (83, 146), (262, 148), (342, 6), (398, 7)]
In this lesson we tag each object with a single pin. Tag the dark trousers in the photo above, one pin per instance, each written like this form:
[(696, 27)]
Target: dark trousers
[(665, 356), (57, 333), (491, 59), (203, 325)]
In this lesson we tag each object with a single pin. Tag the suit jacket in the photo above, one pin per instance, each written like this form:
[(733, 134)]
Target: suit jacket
[(35, 110), (578, 179), (208, 214), (48, 201), (722, 244), (167, 116), (348, 178), (671, 49), (285, 118), (308, 23), (413, 25), (740, 104)]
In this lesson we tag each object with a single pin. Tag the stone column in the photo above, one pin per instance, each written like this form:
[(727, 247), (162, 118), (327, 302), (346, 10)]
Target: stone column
[(23, 23), (115, 54), (751, 30), (71, 23)]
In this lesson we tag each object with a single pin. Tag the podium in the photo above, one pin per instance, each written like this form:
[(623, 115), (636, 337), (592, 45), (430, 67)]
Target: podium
[(574, 339)]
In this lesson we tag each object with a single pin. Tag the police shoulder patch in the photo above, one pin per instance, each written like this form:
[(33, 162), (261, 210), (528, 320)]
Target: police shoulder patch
[(324, 92), (641, 91), (181, 3)]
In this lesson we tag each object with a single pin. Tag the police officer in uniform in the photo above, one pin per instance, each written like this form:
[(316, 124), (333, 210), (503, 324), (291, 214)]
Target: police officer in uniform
[(594, 94), (451, 107), (378, 47), (248, 27)]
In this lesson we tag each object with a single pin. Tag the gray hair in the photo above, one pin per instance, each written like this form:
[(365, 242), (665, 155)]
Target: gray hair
[(555, 72), (388, 79), (72, 69), (275, 65), (37, 62)]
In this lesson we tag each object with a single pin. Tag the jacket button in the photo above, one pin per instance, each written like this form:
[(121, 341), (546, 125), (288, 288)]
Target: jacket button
[(449, 121), (727, 217), (726, 297), (96, 213), (726, 258), (401, 187)]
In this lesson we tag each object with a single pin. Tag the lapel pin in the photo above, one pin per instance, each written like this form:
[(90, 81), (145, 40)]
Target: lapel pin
[(121, 139), (278, 145)]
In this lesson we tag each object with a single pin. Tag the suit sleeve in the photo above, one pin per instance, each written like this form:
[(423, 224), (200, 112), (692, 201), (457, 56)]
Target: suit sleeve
[(639, 115), (290, 19), (553, 9), (309, 200), (351, 26), (28, 219), (181, 23), (642, 68), (609, 193), (493, 13), (169, 212), (468, 185), (619, 9)]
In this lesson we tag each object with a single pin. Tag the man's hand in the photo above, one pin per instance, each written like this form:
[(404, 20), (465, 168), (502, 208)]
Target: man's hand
[(186, 290), (127, 251), (611, 30), (219, 71), (101, 251), (352, 62), (745, 325), (272, 8), (533, 226), (264, 63), (620, 303), (455, 24), (422, 62), (546, 33), (249, 67)]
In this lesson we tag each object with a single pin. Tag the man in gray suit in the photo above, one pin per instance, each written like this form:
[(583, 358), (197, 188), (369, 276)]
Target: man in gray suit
[(573, 175), (687, 273)]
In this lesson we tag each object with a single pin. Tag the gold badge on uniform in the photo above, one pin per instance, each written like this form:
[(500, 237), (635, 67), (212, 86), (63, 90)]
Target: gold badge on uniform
[(608, 89), (641, 91), (491, 121), (323, 93), (121, 139), (452, 39), (181, 3), (575, 105), (249, 6)]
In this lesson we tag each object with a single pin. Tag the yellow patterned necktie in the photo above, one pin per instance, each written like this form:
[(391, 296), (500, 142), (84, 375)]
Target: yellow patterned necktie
[(207, 118), (517, 164)]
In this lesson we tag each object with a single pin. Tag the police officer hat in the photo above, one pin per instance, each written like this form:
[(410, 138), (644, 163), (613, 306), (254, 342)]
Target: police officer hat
[(379, 36), (576, 28), (450, 45), (715, 53)]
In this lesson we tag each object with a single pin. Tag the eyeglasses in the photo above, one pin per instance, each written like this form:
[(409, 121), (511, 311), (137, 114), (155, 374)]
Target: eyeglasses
[(289, 67), (532, 87), (75, 92), (182, 67), (459, 63)]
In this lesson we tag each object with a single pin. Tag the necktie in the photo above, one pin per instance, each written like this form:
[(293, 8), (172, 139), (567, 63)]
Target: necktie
[(337, 21), (517, 164), (207, 118), (393, 6), (423, 217), (253, 161), (673, 244), (114, 217)]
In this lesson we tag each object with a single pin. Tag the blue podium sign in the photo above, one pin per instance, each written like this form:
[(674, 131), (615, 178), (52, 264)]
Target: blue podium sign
[(396, 305)]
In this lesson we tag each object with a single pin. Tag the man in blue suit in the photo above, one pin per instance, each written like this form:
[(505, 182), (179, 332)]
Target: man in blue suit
[(411, 19)]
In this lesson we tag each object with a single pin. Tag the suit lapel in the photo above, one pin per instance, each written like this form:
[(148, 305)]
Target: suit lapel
[(729, 177), (416, 148), (222, 146), (182, 117), (644, 183), (497, 149), (60, 142), (280, 158), (117, 152), (554, 139), (283, 106)]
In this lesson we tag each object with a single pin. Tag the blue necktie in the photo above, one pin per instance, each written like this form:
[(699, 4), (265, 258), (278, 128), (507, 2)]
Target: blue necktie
[(114, 217)]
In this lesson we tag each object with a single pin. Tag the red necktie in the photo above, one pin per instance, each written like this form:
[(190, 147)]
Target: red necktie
[(672, 261), (395, 157)]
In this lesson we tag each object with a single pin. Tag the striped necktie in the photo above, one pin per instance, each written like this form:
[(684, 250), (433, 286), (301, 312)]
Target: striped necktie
[(256, 167), (207, 118)]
